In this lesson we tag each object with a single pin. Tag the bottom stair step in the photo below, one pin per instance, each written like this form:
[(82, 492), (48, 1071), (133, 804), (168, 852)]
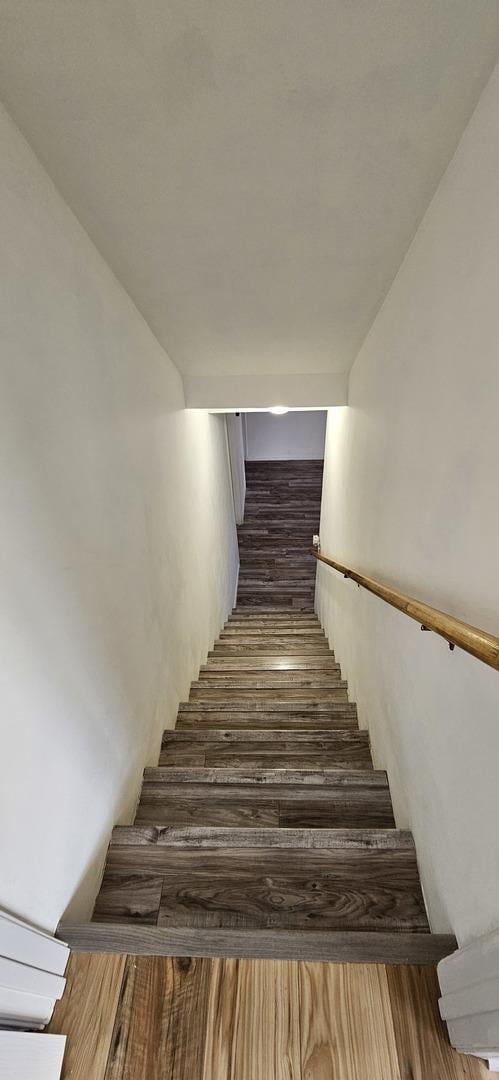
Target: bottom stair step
[(341, 947)]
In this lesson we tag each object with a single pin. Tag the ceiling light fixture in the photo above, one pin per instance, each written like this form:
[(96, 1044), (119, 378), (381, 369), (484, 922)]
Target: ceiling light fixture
[(279, 410)]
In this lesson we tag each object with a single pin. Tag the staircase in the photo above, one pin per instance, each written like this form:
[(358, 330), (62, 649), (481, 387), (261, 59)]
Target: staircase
[(265, 830), (282, 513)]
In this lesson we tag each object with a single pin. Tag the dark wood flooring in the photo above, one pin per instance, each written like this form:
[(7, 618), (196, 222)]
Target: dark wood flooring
[(282, 513)]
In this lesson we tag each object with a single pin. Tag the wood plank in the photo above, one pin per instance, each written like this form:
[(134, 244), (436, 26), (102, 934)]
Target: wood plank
[(259, 896), (253, 1028), (161, 1020), (264, 721), (288, 807), (346, 1024), (237, 694), (125, 897), (191, 810), (311, 708), (207, 837), (292, 662), (270, 648), (338, 749), (87, 1013), (424, 1052), (358, 811), (324, 946), (255, 888), (290, 739), (276, 619), (269, 680), (253, 756), (306, 632), (307, 778)]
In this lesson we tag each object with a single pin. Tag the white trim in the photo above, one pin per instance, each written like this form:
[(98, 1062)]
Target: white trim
[(21, 942), (30, 979), (19, 1009), (24, 1056), (469, 981), (235, 444), (237, 584), (31, 973)]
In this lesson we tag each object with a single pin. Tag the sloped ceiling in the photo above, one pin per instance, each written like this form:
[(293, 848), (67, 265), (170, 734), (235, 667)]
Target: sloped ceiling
[(253, 172)]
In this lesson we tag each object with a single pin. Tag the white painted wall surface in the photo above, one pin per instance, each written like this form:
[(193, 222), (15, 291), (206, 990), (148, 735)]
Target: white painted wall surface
[(293, 435), (118, 551), (411, 497)]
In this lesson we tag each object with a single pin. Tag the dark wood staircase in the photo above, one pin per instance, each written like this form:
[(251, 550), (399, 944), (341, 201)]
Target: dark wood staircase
[(265, 830), (282, 512)]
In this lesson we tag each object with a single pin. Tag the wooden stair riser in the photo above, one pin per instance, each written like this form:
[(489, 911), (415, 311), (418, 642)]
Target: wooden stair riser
[(284, 723), (344, 749), (252, 647), (251, 888), (270, 679), (238, 694), (258, 664)]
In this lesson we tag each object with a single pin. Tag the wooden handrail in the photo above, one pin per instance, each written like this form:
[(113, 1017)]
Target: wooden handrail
[(474, 641)]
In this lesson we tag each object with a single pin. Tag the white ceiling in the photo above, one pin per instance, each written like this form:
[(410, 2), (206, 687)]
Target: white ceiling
[(252, 170)]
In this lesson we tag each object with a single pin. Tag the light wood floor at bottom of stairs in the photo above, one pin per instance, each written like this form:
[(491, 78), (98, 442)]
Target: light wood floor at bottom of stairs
[(157, 1018)]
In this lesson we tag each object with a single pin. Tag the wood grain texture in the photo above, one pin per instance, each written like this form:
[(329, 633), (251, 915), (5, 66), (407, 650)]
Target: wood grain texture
[(262, 778), (424, 1052), (339, 947), (257, 749), (236, 1019), (125, 836), (346, 1025), (160, 1027), (253, 1021), (87, 1013), (478, 643), (335, 888), (282, 512), (339, 718), (234, 805)]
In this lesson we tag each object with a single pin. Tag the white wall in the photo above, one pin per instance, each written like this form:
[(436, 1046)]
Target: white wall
[(118, 547), (293, 435), (411, 496)]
